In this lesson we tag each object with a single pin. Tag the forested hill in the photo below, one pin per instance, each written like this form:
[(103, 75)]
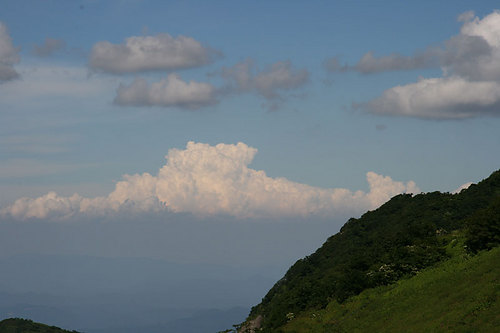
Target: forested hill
[(18, 325), (397, 240)]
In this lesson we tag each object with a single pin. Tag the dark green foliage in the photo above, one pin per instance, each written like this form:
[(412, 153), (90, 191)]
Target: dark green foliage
[(483, 228), (460, 295), (19, 325), (397, 240)]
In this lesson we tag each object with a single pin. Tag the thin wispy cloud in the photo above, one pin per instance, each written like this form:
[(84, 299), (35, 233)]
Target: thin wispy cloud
[(50, 81), (49, 47), (370, 64), (18, 168), (273, 82), (208, 180), (34, 144)]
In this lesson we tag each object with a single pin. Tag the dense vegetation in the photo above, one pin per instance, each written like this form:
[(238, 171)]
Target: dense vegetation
[(483, 228), (18, 325), (399, 239), (439, 299)]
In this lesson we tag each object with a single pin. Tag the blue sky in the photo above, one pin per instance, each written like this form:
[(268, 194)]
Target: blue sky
[(223, 136), (64, 128)]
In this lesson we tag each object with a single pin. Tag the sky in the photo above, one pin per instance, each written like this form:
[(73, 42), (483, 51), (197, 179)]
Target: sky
[(245, 111), (217, 142)]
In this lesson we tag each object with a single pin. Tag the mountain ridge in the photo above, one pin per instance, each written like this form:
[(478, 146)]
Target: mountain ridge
[(458, 295), (397, 240), (20, 325)]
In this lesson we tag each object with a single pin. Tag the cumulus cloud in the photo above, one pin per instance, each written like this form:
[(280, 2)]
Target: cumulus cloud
[(148, 53), (48, 205), (466, 16), (462, 187), (271, 83), (470, 85), (169, 92), (49, 47), (481, 55), (439, 98), (9, 55), (208, 180)]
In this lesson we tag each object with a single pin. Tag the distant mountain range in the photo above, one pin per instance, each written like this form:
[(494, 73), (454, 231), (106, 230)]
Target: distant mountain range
[(401, 241), (126, 295)]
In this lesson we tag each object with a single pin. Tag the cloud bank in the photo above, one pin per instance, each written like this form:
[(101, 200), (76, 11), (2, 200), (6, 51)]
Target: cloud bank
[(470, 85), (207, 180), (9, 55), (169, 92), (148, 53)]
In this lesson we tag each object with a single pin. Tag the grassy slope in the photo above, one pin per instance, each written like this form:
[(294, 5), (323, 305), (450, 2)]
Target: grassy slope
[(18, 325), (395, 241), (459, 295)]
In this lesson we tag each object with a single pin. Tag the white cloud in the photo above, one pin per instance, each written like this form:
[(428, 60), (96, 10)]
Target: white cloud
[(462, 187), (271, 83), (147, 53), (9, 55), (483, 65), (439, 98), (470, 85), (488, 27), (461, 53), (49, 47), (10, 192), (48, 205), (475, 46), (465, 16), (207, 180), (172, 91)]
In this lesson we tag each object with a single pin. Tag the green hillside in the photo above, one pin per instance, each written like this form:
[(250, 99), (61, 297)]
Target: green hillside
[(459, 295), (18, 325), (401, 239)]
